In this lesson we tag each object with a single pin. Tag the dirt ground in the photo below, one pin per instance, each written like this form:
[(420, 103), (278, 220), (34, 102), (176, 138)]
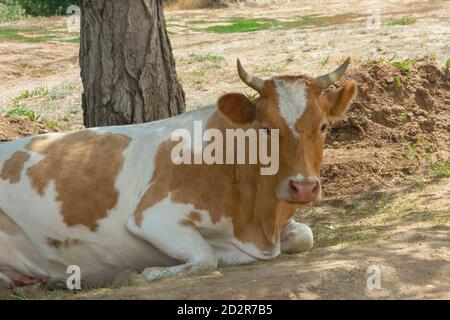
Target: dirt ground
[(386, 171)]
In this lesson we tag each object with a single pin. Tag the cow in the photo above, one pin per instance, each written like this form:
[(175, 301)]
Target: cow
[(111, 199)]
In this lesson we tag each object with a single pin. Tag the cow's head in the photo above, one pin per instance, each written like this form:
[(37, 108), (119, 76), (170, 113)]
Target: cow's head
[(299, 108)]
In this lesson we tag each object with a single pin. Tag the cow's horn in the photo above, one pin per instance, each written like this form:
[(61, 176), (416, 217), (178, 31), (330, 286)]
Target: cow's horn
[(328, 79), (249, 79)]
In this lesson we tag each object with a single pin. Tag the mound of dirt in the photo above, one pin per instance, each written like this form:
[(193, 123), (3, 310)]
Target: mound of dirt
[(399, 122), (12, 128)]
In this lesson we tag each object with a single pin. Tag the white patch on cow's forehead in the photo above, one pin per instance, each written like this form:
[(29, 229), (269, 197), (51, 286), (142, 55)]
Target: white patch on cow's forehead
[(292, 101)]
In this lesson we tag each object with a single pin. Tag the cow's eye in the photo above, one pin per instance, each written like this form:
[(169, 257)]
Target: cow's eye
[(323, 128)]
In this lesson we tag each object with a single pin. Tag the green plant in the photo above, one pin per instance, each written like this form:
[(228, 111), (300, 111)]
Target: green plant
[(403, 117), (41, 91), (11, 12), (440, 170), (401, 21), (251, 95), (11, 34), (243, 25), (447, 64), (21, 111), (403, 65), (398, 82), (46, 7), (325, 60), (202, 58)]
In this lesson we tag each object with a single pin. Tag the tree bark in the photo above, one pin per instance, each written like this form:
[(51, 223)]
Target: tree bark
[(127, 66)]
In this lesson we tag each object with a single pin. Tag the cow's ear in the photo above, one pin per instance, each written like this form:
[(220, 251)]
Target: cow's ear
[(237, 107), (339, 100)]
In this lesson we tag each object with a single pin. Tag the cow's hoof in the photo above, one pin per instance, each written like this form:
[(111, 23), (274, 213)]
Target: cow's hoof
[(298, 239)]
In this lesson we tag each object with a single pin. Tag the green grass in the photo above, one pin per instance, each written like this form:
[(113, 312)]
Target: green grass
[(403, 117), (325, 60), (11, 34), (21, 111), (398, 82), (404, 66), (71, 40), (237, 25), (440, 170), (400, 22), (205, 58), (11, 12), (447, 64), (38, 92)]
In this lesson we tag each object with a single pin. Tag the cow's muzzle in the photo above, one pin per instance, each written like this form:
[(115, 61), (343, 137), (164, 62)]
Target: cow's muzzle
[(299, 190)]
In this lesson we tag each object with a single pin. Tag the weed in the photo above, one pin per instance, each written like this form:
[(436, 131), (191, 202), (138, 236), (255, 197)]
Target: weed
[(325, 60), (251, 96), (398, 82), (401, 21), (237, 25), (21, 111), (440, 170), (11, 12), (204, 58), (404, 66), (447, 64), (41, 92), (403, 117)]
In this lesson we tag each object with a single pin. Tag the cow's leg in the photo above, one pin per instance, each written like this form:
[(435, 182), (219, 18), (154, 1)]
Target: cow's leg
[(180, 241), (296, 237)]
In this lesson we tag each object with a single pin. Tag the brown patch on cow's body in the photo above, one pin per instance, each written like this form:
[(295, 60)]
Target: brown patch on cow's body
[(12, 168), (83, 166), (7, 225)]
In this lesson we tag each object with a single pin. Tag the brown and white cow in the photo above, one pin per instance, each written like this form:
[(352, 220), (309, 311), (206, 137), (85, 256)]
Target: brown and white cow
[(110, 199)]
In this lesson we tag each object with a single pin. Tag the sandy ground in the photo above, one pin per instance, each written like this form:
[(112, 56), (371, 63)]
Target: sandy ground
[(402, 227)]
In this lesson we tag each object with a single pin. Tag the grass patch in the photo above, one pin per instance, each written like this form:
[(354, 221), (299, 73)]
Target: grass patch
[(205, 58), (447, 64), (325, 60), (38, 92), (29, 35), (11, 12), (21, 111), (404, 66), (440, 170), (250, 25), (400, 22), (238, 25), (71, 40)]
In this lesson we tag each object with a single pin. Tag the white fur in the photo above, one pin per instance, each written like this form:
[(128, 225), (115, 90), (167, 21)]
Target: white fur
[(292, 101)]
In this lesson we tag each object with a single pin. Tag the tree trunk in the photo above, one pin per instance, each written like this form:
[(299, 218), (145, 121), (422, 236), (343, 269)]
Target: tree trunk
[(127, 67)]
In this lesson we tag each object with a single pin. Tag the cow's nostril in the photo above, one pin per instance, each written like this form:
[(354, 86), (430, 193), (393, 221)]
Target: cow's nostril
[(316, 188), (293, 187)]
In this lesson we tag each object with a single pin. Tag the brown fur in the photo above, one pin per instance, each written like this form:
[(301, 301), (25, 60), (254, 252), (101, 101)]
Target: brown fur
[(237, 107), (12, 168), (84, 166)]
